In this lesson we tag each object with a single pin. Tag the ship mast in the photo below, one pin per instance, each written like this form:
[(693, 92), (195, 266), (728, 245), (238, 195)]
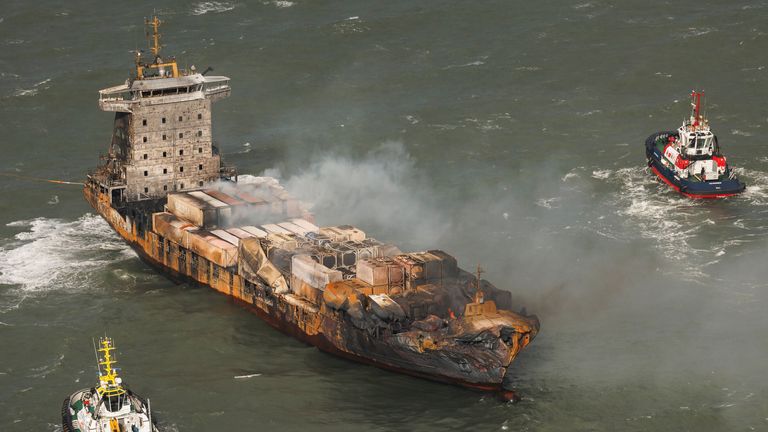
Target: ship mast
[(696, 117), (109, 382), (479, 296), (154, 45)]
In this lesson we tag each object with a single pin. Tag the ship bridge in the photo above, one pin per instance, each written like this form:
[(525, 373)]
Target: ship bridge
[(155, 91)]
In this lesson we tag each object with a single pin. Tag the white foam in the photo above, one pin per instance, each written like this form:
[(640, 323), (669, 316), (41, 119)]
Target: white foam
[(34, 90), (212, 6), (279, 3), (57, 254)]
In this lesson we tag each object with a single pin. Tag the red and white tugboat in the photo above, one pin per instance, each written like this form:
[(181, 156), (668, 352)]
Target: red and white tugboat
[(689, 159)]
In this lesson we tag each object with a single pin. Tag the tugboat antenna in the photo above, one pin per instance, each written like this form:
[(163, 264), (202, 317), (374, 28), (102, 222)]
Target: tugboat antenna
[(96, 353)]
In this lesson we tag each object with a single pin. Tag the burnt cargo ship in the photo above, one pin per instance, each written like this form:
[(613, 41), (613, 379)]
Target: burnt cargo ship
[(164, 189)]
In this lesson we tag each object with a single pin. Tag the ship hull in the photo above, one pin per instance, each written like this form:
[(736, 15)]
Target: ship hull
[(346, 342), (691, 189)]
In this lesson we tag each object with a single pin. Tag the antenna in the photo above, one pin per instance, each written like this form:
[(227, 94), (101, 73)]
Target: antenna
[(154, 40), (96, 353), (479, 297)]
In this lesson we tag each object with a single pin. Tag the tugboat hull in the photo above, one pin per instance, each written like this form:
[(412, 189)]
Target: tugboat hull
[(691, 189)]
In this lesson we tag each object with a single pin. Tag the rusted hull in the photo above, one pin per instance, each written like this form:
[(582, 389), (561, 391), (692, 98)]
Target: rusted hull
[(327, 332)]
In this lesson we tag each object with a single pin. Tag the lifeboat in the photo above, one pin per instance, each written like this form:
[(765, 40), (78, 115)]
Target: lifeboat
[(689, 159)]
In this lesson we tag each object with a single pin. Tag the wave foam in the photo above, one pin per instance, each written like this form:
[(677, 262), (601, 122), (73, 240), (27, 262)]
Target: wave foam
[(55, 254), (212, 6)]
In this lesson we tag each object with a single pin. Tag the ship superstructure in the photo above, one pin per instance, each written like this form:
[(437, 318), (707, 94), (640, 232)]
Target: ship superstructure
[(161, 139), (110, 406), (333, 287)]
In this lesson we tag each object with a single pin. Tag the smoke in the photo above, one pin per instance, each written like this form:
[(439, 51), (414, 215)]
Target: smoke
[(615, 308), (382, 193)]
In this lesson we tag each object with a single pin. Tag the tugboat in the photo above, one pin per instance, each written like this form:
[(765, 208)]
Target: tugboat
[(109, 407), (689, 159)]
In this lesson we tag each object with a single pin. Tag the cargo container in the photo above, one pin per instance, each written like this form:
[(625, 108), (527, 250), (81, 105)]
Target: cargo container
[(239, 233), (223, 210), (307, 225), (192, 209), (380, 271), (274, 229), (227, 237), (292, 227), (257, 232), (316, 275), (212, 248)]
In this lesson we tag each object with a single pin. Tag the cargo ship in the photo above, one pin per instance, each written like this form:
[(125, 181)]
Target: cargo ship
[(164, 189), (689, 159), (110, 406)]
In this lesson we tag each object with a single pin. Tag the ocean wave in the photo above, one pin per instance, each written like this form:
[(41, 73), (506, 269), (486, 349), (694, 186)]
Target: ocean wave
[(34, 89), (350, 25), (57, 254), (212, 6), (280, 3)]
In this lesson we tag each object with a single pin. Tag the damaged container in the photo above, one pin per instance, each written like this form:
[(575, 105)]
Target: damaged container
[(315, 274), (223, 210), (192, 209), (385, 308), (380, 271)]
